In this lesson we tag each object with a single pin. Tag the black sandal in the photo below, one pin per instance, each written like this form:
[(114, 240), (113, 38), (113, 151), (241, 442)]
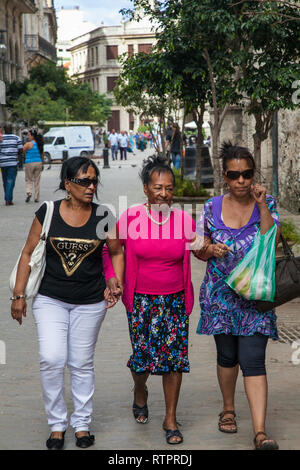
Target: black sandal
[(56, 443), (173, 433), (85, 441), (140, 411)]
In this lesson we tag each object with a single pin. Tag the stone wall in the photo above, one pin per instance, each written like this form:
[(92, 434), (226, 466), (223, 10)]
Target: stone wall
[(289, 160), (239, 127)]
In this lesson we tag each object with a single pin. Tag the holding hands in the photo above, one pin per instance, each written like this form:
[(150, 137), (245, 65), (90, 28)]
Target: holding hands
[(113, 292)]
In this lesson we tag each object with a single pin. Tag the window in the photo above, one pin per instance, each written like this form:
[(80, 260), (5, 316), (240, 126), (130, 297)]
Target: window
[(130, 50), (146, 48), (60, 141), (111, 83), (111, 52), (114, 121)]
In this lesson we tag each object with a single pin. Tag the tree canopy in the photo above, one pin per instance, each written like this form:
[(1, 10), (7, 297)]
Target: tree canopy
[(50, 94)]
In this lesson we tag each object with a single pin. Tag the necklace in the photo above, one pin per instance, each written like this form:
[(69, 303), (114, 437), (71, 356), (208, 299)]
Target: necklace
[(155, 221)]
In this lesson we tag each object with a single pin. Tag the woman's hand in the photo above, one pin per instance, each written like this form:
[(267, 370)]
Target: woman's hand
[(219, 250), (113, 292), (259, 194), (18, 309)]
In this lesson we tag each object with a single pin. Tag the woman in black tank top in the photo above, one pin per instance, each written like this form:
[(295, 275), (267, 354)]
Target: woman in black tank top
[(72, 298)]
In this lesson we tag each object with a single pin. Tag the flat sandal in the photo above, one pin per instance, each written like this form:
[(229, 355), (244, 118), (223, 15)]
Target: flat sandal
[(140, 411), (230, 421), (265, 443)]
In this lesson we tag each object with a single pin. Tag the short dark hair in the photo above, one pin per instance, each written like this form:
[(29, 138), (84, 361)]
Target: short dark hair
[(234, 152), (8, 129), (155, 163), (72, 166)]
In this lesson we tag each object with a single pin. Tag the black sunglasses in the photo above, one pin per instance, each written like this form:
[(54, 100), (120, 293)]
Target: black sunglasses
[(234, 175), (86, 182)]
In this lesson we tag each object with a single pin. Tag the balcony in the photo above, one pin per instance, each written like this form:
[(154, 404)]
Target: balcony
[(40, 46), (26, 6)]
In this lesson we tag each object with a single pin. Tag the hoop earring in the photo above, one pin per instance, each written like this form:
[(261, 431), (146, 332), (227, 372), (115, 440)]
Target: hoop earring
[(68, 197)]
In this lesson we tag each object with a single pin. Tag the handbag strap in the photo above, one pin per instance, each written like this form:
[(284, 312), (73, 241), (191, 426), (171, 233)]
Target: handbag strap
[(47, 219), (287, 251)]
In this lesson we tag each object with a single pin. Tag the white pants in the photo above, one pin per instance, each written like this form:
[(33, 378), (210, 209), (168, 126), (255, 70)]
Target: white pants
[(67, 335)]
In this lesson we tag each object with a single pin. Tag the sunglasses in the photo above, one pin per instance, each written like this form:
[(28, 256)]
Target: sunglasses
[(86, 182), (234, 175)]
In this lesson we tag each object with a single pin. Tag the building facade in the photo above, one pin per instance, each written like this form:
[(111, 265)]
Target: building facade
[(95, 61), (12, 45), (71, 24), (40, 34)]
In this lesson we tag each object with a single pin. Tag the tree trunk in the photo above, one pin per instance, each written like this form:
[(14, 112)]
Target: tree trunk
[(182, 153), (216, 160), (257, 151), (198, 118)]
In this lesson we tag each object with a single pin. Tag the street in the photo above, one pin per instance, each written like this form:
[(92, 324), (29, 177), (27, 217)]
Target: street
[(22, 416)]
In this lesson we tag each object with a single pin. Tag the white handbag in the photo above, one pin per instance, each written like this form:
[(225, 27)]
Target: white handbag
[(37, 260)]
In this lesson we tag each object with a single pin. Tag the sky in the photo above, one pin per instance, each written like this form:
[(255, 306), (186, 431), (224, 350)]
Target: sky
[(98, 11)]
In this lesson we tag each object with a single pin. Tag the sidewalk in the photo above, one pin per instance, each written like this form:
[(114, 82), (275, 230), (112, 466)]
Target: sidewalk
[(22, 417)]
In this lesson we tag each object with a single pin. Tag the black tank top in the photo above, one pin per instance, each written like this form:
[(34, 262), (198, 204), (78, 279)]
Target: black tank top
[(74, 270)]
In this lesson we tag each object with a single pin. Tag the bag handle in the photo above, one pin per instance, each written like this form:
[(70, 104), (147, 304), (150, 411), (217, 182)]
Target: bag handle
[(47, 219), (294, 271), (286, 248)]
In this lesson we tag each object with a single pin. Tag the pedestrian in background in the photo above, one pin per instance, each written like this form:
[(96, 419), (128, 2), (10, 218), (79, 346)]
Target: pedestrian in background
[(70, 307), (11, 149), (34, 161), (113, 140), (158, 293), (229, 224), (123, 144), (173, 143)]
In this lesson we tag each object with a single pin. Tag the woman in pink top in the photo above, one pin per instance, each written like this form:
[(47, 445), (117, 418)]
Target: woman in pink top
[(158, 292)]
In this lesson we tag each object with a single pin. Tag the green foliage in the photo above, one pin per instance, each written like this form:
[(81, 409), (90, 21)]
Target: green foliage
[(186, 187), (49, 94), (37, 105), (290, 231)]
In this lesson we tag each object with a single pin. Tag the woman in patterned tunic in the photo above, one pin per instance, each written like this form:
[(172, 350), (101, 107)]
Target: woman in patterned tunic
[(229, 224)]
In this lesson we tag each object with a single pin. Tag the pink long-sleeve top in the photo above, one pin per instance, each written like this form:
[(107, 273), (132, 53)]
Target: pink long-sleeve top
[(157, 257)]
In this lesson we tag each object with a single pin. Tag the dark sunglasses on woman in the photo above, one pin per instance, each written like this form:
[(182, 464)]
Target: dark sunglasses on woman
[(86, 182), (234, 175)]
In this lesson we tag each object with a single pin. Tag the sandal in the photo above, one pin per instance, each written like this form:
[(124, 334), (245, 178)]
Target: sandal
[(170, 433), (140, 411), (176, 433), (266, 443), (225, 422), (56, 443), (85, 441)]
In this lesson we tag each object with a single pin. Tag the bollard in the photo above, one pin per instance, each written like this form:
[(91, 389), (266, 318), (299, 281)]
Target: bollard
[(65, 155), (105, 158)]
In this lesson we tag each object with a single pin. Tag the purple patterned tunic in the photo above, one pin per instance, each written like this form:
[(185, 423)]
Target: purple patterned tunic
[(222, 310)]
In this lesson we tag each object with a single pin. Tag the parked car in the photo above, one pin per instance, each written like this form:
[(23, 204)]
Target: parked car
[(67, 142)]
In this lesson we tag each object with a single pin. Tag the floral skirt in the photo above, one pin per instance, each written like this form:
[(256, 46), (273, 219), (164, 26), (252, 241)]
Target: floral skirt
[(158, 328)]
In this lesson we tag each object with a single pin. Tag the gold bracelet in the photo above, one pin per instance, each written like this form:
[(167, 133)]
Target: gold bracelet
[(17, 297)]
